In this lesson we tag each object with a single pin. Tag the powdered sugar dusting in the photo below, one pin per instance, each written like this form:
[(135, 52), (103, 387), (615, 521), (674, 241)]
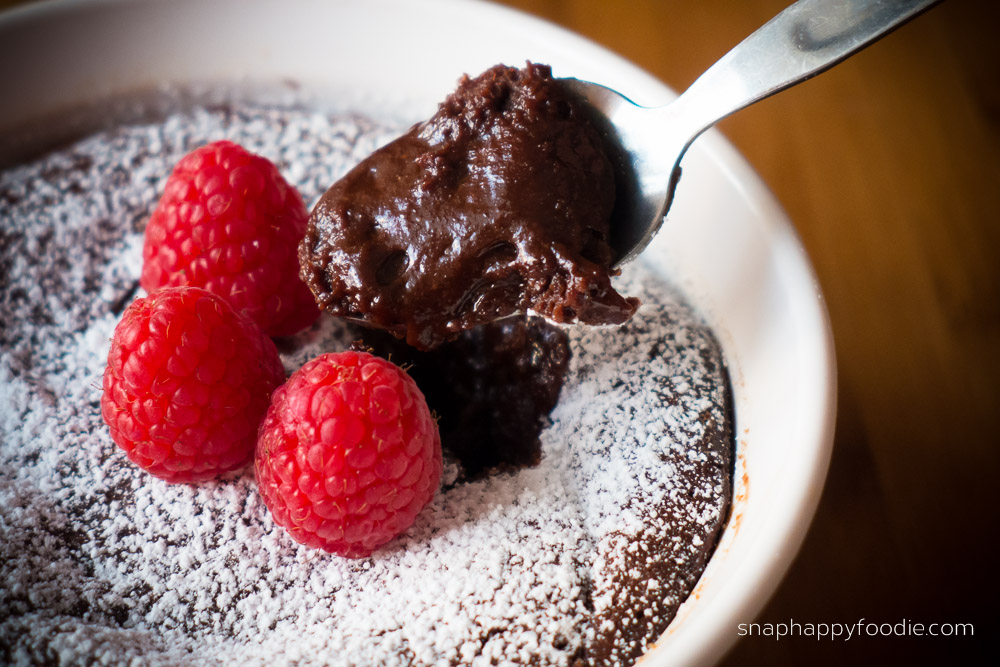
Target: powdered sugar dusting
[(582, 558)]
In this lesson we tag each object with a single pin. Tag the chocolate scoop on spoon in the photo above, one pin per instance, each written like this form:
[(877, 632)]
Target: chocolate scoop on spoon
[(802, 41), (510, 200), (499, 204)]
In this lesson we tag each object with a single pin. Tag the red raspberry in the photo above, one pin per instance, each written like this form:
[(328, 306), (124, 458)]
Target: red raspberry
[(348, 453), (187, 384), (228, 222)]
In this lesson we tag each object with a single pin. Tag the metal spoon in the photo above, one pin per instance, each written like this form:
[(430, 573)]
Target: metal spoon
[(805, 39)]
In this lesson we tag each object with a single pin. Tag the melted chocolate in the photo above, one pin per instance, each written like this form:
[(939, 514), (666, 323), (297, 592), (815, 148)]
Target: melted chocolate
[(492, 388), (500, 203)]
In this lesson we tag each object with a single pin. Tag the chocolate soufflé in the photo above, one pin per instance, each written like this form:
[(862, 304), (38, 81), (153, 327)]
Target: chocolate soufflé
[(587, 470)]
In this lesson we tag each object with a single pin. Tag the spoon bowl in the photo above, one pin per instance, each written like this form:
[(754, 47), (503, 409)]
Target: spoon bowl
[(802, 41)]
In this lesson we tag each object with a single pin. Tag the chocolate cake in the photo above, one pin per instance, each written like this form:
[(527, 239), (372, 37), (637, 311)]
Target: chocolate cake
[(574, 547)]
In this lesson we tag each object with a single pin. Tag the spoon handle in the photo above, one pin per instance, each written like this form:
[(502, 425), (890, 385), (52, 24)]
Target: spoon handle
[(805, 39)]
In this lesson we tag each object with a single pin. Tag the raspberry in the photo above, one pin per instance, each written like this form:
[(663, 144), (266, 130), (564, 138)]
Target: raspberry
[(187, 384), (228, 222), (348, 453)]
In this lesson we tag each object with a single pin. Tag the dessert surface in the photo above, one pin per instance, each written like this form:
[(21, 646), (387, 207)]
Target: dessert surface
[(578, 552), (500, 203)]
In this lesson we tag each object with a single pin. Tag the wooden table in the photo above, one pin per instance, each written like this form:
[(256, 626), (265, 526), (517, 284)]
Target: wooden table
[(889, 165)]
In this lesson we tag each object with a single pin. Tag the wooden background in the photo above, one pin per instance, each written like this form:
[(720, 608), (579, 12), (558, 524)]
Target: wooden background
[(889, 166)]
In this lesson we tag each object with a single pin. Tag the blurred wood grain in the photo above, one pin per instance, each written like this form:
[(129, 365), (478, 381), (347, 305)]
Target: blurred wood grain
[(889, 166)]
